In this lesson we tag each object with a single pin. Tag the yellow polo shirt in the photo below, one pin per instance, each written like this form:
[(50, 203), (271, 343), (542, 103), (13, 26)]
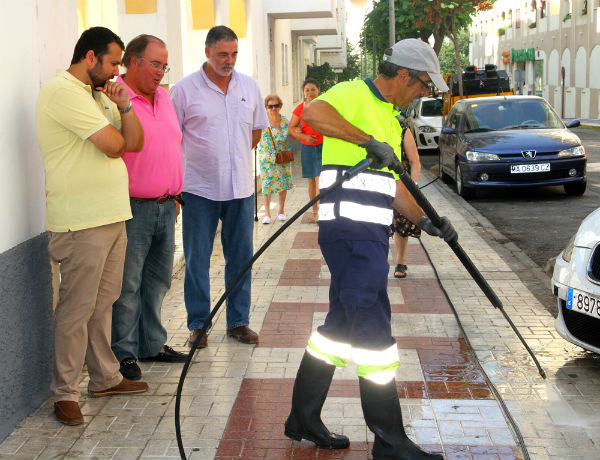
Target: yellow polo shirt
[(84, 187)]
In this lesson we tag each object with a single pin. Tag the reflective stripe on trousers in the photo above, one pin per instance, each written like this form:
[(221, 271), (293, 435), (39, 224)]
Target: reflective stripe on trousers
[(378, 366)]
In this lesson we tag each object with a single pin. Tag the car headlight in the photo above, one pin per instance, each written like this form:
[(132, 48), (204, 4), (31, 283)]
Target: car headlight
[(578, 151), (568, 251), (481, 156), (426, 129)]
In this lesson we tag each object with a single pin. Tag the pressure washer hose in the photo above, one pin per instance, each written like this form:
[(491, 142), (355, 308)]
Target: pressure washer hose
[(349, 174), (435, 219)]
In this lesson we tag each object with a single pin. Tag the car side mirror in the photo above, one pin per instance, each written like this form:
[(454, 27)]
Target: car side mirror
[(573, 123), (448, 130)]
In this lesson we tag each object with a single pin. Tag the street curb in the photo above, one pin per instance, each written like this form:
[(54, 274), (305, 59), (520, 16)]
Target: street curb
[(596, 127)]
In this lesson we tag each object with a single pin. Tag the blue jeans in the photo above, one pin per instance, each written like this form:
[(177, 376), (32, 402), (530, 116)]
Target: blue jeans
[(200, 219), (137, 331)]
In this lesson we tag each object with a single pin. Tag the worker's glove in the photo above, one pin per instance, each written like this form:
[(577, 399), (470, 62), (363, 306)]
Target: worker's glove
[(380, 153), (446, 230)]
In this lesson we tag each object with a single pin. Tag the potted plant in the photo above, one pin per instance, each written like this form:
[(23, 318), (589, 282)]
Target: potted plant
[(532, 25), (501, 31), (567, 17)]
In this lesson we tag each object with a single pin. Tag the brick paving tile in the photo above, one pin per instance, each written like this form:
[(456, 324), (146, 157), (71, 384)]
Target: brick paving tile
[(237, 397), (306, 240)]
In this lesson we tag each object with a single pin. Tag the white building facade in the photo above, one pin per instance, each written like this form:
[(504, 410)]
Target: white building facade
[(550, 48), (277, 39)]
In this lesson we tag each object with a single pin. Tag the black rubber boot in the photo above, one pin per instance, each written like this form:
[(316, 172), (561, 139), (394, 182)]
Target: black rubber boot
[(383, 415), (310, 390)]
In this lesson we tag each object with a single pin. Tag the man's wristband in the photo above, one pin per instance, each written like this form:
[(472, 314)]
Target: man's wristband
[(126, 109)]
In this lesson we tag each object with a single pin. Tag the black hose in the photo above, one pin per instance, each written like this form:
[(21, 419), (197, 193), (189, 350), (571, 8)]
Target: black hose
[(435, 219), (462, 255), (511, 421), (349, 174)]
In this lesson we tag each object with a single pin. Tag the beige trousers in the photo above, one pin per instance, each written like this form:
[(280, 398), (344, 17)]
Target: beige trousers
[(91, 271)]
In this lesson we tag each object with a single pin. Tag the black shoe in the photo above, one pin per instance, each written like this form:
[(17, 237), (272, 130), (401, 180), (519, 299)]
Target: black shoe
[(310, 390), (130, 370), (168, 356)]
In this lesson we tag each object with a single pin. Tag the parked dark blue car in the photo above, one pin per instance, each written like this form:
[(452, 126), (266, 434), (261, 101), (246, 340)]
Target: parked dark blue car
[(510, 141)]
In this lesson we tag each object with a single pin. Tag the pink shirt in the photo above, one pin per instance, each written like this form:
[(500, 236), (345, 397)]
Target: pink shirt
[(156, 170)]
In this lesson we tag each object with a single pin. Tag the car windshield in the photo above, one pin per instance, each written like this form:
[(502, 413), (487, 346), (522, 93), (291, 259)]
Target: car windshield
[(510, 114), (431, 108)]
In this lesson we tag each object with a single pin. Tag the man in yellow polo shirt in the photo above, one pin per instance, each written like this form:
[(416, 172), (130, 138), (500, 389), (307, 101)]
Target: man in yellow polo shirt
[(84, 123)]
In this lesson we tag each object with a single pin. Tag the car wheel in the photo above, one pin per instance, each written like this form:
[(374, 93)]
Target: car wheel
[(577, 188), (465, 192)]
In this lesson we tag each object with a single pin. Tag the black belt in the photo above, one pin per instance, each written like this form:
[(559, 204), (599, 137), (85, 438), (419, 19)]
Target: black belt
[(162, 199)]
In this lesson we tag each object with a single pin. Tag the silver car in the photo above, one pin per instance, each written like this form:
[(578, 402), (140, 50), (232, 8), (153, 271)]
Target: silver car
[(425, 121), (576, 284)]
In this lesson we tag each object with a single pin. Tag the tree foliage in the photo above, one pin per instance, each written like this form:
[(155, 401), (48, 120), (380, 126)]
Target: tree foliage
[(326, 76), (447, 57), (419, 19), (414, 19), (352, 69)]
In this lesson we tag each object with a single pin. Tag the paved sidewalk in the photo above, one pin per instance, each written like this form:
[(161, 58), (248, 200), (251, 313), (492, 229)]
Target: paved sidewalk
[(236, 397)]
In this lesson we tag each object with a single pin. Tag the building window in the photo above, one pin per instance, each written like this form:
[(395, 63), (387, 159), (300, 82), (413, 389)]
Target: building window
[(517, 18)]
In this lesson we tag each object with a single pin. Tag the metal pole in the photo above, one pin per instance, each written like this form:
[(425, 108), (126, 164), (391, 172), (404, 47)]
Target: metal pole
[(392, 16), (374, 56), (255, 188)]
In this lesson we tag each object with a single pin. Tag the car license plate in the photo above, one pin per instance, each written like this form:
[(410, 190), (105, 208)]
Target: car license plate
[(530, 168), (583, 303)]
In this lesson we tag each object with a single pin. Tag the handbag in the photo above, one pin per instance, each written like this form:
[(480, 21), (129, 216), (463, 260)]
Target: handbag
[(285, 156)]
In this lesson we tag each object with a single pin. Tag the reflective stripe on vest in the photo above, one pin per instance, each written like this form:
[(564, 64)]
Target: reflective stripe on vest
[(371, 214), (364, 181), (373, 207), (326, 211), (336, 353)]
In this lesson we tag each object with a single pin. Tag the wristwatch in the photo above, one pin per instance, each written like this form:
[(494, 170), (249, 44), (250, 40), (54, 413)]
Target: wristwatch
[(126, 109)]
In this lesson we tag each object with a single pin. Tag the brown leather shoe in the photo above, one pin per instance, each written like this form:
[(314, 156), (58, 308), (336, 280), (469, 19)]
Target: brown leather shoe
[(244, 334), (194, 335), (125, 387), (68, 412)]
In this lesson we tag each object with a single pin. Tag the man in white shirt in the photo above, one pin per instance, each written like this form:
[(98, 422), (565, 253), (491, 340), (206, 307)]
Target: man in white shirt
[(221, 114)]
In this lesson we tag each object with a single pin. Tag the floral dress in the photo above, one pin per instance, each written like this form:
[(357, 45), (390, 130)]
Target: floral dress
[(275, 177)]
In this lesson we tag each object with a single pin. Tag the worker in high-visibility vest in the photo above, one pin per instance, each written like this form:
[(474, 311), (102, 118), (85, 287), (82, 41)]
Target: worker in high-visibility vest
[(358, 119)]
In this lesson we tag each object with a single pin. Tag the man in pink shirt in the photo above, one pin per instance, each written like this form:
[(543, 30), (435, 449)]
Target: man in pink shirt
[(155, 182)]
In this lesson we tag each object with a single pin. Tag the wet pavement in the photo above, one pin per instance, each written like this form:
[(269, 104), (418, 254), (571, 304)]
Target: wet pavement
[(453, 388)]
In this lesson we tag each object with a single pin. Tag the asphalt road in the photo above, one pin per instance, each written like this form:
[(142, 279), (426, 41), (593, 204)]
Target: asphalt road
[(541, 220)]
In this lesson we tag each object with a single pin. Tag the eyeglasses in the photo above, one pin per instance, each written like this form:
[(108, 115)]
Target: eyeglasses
[(156, 66), (429, 86), (273, 106)]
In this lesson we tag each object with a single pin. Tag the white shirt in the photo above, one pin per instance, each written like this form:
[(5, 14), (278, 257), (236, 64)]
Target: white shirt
[(217, 134)]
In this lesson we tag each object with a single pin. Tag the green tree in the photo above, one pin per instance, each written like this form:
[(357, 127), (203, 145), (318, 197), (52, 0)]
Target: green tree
[(410, 23), (352, 69), (420, 19), (450, 17), (447, 57), (323, 73), (327, 77)]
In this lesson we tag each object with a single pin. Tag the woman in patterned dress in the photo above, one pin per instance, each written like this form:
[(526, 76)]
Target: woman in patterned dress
[(275, 178)]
